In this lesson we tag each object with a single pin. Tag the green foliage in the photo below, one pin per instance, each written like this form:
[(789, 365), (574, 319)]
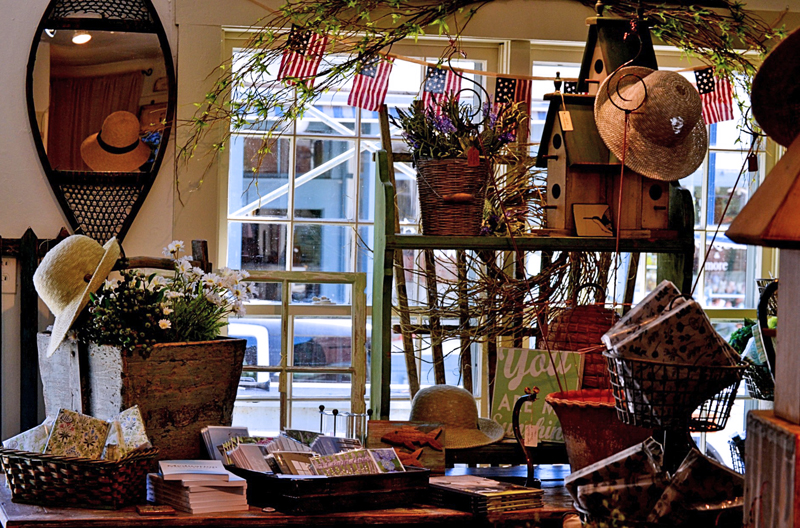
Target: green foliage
[(142, 310)]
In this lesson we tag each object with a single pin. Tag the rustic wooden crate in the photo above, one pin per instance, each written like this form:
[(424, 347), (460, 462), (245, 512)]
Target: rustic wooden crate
[(318, 494)]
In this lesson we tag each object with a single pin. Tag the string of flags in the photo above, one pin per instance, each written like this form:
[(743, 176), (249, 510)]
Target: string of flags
[(303, 56)]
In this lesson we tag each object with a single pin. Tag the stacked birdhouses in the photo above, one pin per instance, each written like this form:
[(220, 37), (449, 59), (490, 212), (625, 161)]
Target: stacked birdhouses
[(584, 177)]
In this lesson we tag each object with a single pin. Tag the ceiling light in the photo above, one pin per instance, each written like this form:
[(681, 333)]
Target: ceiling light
[(81, 37)]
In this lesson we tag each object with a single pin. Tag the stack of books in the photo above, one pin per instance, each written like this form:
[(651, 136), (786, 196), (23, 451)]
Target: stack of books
[(481, 495), (197, 486)]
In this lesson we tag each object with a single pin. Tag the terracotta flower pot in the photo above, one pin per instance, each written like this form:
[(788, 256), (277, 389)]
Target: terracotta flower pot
[(590, 426), (179, 387)]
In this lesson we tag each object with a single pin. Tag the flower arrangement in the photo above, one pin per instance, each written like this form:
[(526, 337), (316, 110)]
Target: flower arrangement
[(142, 310), (452, 129)]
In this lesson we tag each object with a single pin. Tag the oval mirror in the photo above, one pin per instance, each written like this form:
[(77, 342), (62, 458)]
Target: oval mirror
[(101, 92)]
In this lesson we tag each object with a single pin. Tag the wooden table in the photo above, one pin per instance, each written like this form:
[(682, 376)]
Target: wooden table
[(13, 515)]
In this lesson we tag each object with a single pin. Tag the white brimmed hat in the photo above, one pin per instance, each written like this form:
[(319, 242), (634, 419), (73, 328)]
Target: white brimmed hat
[(61, 282), (455, 408), (117, 147), (666, 137)]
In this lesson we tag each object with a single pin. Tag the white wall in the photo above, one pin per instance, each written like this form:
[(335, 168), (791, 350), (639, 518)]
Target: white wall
[(194, 28)]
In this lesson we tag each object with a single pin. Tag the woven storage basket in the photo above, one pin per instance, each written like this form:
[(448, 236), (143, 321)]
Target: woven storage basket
[(580, 327), (451, 196), (49, 480)]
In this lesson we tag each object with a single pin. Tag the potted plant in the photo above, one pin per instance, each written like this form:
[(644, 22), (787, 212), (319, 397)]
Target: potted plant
[(453, 147), (153, 340)]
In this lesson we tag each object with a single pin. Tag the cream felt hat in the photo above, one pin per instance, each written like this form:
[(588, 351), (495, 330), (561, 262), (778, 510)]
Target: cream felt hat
[(455, 408), (117, 147), (666, 137), (61, 279)]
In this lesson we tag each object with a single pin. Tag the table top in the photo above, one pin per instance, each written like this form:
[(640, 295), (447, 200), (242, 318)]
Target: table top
[(13, 515)]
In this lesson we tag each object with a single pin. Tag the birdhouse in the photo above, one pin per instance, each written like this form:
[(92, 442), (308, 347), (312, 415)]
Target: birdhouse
[(611, 43), (582, 171)]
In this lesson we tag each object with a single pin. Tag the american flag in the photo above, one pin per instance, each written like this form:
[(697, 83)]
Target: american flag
[(716, 94), (440, 84), (513, 91), (371, 84), (302, 56)]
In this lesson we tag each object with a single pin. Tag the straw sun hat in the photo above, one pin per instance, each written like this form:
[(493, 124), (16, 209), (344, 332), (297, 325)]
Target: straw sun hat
[(117, 147), (455, 408), (61, 280), (775, 97), (666, 138)]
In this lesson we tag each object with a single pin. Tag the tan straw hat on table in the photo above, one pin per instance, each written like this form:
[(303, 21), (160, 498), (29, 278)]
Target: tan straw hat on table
[(61, 281), (666, 136), (775, 97), (455, 408), (117, 147)]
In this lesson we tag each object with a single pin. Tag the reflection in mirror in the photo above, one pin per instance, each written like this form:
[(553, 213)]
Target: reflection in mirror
[(109, 94)]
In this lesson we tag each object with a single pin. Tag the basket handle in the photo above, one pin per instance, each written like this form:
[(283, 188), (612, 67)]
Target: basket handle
[(595, 285), (681, 296), (762, 315)]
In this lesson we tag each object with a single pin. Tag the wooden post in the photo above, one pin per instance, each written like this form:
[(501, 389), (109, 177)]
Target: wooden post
[(399, 269), (434, 321), (464, 320), (29, 318)]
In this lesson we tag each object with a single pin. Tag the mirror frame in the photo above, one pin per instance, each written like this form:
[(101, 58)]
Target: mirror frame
[(102, 204)]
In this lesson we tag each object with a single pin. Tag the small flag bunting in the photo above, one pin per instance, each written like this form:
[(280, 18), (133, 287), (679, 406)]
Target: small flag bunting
[(302, 57), (716, 94), (440, 84), (570, 87), (509, 90), (371, 83)]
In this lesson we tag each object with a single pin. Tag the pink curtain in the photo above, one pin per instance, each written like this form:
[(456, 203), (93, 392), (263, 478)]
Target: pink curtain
[(78, 107)]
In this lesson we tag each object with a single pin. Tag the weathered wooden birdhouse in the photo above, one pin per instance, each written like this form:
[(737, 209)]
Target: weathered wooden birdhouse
[(607, 48), (581, 171)]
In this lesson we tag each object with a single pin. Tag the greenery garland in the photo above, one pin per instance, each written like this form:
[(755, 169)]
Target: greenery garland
[(726, 36)]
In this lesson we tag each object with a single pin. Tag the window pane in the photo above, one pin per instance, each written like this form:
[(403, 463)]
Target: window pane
[(336, 293), (725, 275), (694, 183), (263, 336), (323, 342), (330, 115), (320, 247), (723, 170), (258, 183), (257, 246), (324, 180)]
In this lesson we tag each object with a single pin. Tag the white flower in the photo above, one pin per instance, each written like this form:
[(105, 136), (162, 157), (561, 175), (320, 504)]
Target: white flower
[(214, 298), (211, 279), (110, 283), (159, 280), (238, 308), (164, 324), (166, 309), (184, 265), (174, 294), (198, 272), (173, 248)]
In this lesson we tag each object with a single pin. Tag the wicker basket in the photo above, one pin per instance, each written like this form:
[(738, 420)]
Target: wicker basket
[(580, 327), (451, 196), (665, 395), (49, 480)]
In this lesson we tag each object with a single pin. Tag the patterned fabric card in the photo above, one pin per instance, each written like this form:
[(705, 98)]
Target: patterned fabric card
[(33, 440), (77, 435)]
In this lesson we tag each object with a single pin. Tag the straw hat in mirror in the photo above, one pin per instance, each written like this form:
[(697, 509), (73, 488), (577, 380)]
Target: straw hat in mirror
[(117, 147)]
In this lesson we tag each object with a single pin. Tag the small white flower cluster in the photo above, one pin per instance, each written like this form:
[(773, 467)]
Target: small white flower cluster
[(226, 289)]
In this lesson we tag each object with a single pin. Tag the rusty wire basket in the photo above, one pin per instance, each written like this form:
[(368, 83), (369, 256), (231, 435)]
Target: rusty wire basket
[(668, 395), (49, 480), (451, 196)]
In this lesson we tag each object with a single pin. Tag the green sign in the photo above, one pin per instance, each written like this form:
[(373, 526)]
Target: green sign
[(518, 368)]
